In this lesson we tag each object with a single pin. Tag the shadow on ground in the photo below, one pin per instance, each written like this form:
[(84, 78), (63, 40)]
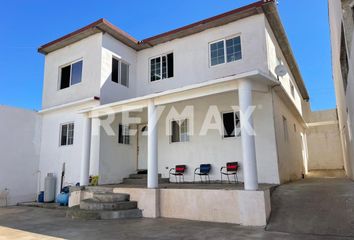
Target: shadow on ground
[(52, 223)]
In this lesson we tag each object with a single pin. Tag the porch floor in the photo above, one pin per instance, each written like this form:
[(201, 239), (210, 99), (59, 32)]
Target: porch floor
[(188, 185)]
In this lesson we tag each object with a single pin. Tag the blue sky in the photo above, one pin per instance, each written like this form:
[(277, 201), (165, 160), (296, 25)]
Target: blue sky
[(25, 25)]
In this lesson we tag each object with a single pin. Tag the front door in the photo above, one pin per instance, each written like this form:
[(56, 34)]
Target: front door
[(142, 147)]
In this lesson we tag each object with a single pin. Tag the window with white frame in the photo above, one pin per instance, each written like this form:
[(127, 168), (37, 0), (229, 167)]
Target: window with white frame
[(67, 134), (70, 74), (120, 72), (231, 124), (179, 131), (123, 134), (161, 67), (225, 50)]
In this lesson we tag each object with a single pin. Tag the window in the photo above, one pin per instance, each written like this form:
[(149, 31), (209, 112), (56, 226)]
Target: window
[(67, 134), (179, 131), (70, 74), (232, 124), (292, 89), (161, 67), (344, 61), (285, 129), (226, 50), (123, 134), (120, 72)]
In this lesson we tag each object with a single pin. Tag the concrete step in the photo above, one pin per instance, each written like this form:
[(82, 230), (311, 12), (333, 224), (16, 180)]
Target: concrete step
[(99, 189), (91, 204), (110, 197), (77, 213), (142, 181), (140, 176)]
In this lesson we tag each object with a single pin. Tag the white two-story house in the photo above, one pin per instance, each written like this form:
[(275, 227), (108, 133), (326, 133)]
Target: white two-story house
[(225, 89)]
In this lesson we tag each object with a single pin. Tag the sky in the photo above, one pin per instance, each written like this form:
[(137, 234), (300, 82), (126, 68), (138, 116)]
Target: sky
[(26, 25)]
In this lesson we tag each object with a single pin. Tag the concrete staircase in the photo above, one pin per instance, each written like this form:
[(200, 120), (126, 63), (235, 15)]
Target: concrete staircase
[(104, 204), (141, 179)]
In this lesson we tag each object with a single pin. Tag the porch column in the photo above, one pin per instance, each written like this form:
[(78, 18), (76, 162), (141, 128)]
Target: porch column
[(247, 139), (152, 146), (86, 145)]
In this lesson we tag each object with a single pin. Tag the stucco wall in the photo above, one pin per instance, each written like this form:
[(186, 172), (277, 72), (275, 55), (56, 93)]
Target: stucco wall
[(274, 55), (323, 139), (52, 155), (19, 154), (191, 56), (111, 91), (118, 161), (89, 50), (290, 153), (345, 101)]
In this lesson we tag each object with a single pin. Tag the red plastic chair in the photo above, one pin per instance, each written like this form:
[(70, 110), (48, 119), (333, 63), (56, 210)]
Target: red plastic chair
[(178, 171), (230, 169)]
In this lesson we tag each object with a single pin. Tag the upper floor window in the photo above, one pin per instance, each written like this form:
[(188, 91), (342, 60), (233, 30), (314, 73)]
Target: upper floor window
[(70, 74), (67, 134), (225, 50), (232, 124), (161, 67), (120, 72)]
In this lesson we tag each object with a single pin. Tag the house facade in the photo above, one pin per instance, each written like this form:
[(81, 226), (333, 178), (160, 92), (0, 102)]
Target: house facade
[(211, 89), (342, 24)]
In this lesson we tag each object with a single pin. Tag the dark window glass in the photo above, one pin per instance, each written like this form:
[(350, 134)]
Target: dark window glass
[(65, 77), (64, 135), (115, 70), (175, 131), (229, 125), (124, 78), (76, 73), (120, 133), (170, 65), (123, 134), (233, 49), (344, 64)]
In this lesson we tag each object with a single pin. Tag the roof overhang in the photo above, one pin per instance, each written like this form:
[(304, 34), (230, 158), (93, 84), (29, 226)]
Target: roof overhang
[(101, 25), (271, 12), (268, 7)]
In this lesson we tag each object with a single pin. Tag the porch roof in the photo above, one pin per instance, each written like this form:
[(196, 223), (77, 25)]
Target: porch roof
[(207, 88)]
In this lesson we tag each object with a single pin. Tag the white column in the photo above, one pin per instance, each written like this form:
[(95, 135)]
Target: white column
[(152, 146), (86, 145), (247, 138), (95, 146)]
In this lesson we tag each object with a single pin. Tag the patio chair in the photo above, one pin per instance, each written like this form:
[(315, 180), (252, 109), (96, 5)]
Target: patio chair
[(178, 171), (230, 169), (203, 170)]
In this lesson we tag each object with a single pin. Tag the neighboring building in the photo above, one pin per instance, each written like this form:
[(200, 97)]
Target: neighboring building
[(19, 155), (341, 19), (227, 60)]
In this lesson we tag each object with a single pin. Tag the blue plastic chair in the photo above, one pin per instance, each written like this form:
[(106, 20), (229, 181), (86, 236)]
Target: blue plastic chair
[(203, 170)]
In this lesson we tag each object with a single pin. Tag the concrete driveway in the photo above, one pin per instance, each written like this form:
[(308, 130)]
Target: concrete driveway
[(37, 223), (321, 206)]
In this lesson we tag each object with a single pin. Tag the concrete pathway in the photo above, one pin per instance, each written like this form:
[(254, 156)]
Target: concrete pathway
[(38, 223), (321, 206)]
